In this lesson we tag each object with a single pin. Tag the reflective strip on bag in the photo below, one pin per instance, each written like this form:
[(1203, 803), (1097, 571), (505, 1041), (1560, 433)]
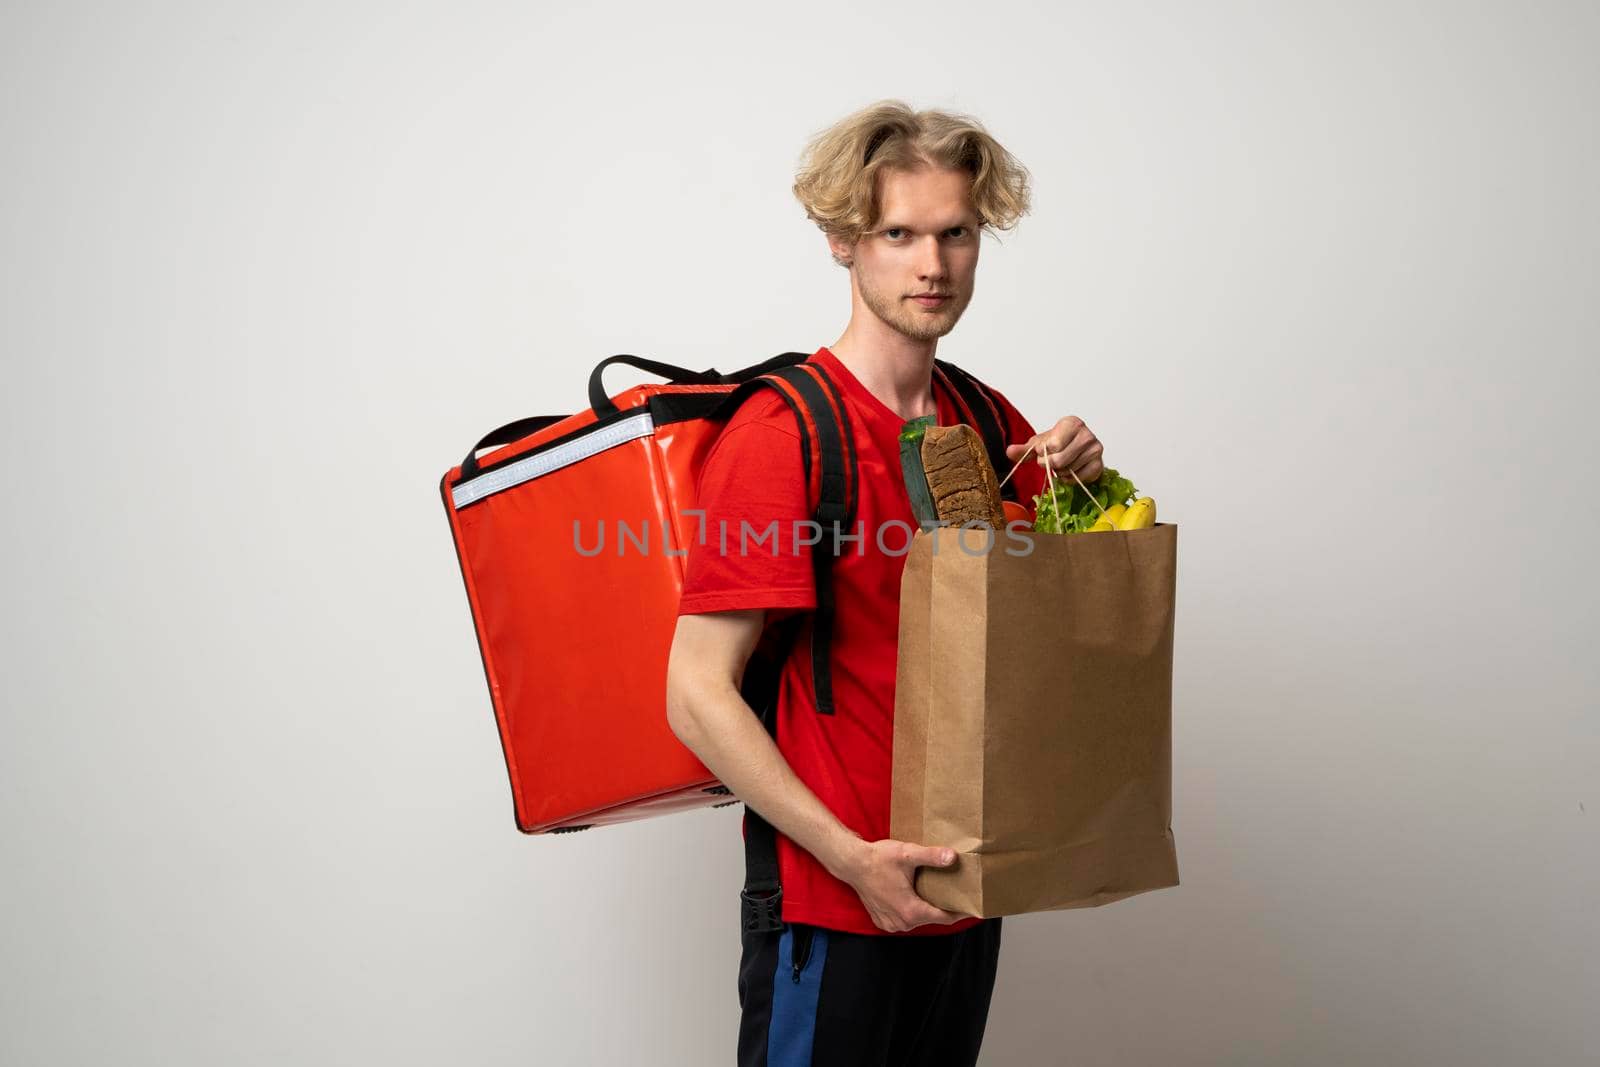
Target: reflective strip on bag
[(540, 463)]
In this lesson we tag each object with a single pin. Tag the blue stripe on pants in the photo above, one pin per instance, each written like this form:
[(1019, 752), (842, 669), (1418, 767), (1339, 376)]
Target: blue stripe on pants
[(794, 1004)]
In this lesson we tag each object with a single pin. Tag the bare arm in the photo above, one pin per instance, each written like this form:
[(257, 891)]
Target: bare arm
[(709, 715), (707, 712)]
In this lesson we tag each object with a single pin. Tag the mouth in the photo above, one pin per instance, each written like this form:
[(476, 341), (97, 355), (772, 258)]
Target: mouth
[(931, 300)]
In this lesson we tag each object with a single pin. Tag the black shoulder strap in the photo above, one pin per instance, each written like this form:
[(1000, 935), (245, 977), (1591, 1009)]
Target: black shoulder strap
[(835, 512), (988, 418), (825, 439), (761, 900), (818, 408)]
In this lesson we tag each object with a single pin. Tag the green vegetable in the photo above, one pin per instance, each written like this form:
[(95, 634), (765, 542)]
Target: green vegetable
[(1070, 510), (916, 479)]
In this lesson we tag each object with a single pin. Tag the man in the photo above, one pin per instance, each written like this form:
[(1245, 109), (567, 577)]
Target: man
[(863, 971)]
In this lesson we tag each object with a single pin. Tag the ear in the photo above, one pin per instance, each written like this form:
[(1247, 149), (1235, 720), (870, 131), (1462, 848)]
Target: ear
[(843, 253)]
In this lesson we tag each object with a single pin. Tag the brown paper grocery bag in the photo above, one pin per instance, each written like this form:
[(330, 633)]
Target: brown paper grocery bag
[(1033, 716)]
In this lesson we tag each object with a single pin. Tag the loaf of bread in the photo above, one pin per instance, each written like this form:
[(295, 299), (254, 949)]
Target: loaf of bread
[(961, 479)]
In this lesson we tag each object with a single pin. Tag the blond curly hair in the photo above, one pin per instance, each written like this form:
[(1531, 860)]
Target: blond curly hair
[(837, 179)]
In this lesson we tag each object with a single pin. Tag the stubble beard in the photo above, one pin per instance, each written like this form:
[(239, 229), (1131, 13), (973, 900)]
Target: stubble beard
[(910, 318)]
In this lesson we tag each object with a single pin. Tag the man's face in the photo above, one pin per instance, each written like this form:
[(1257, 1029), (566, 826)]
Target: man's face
[(926, 240)]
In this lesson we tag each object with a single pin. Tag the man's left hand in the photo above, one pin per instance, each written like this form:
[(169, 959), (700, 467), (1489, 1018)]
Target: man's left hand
[(1069, 446)]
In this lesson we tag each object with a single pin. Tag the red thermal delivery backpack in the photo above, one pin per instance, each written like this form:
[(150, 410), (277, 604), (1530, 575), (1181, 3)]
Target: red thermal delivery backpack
[(574, 640)]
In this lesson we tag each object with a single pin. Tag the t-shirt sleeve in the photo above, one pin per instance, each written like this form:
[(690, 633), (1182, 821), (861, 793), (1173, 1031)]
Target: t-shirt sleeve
[(748, 549)]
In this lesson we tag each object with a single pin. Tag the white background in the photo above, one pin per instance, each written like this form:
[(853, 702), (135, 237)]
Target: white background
[(1322, 277)]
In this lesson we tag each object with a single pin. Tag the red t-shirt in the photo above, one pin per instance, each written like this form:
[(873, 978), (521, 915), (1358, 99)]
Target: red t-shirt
[(753, 474)]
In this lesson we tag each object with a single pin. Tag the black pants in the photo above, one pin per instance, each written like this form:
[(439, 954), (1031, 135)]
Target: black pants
[(814, 996)]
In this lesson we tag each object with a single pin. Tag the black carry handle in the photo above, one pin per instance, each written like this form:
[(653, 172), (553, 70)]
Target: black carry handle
[(756, 370), (511, 431), (601, 403)]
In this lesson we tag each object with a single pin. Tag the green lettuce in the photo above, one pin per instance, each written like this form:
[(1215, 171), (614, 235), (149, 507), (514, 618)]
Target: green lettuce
[(1068, 509)]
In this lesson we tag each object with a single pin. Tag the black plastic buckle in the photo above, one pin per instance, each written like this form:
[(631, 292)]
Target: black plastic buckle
[(761, 914)]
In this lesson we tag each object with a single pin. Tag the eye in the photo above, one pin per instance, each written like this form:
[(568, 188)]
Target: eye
[(953, 231), (891, 231)]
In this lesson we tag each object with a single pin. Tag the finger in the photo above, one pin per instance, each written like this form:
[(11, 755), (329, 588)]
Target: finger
[(1017, 452), (1073, 451), (1059, 436), (930, 914), (928, 856), (1055, 441), (1087, 464)]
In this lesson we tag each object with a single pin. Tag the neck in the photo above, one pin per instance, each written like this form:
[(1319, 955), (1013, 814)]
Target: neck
[(895, 369)]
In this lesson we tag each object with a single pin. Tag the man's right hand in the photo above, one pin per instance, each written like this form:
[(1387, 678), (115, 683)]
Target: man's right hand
[(883, 874)]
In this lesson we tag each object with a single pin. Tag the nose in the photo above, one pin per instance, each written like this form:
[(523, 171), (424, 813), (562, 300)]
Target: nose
[(930, 259)]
